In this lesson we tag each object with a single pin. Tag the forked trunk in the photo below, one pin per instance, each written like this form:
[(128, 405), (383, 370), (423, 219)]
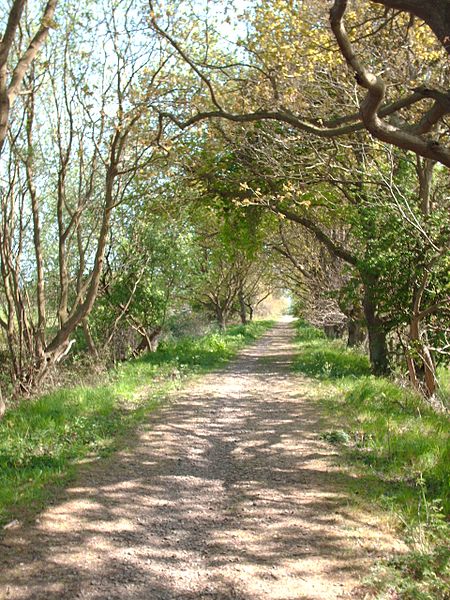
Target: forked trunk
[(149, 341)]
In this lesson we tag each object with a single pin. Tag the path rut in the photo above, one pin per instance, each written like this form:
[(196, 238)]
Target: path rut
[(227, 493)]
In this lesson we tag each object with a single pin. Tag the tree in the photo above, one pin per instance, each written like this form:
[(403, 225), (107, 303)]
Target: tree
[(318, 281), (290, 93), (434, 13), (405, 137), (356, 205), (11, 77), (145, 279), (382, 117), (70, 179), (395, 244)]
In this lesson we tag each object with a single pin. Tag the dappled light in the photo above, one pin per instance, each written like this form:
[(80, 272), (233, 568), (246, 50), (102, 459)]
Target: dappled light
[(228, 492), (175, 177)]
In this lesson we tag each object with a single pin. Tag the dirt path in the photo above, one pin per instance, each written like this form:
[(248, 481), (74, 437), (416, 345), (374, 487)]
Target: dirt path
[(227, 493)]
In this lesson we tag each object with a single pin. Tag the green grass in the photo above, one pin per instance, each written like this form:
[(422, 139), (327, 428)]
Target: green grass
[(400, 449), (41, 441), (444, 386), (327, 359)]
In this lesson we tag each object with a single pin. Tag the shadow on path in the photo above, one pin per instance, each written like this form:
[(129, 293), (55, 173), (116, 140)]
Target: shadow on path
[(227, 493)]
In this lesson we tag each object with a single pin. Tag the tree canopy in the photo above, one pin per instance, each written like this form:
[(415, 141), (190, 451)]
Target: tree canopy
[(173, 158)]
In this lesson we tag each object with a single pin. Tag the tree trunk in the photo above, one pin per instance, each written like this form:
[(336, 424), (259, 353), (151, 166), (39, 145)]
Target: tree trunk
[(424, 168), (242, 306), (9, 90), (89, 339), (143, 346), (378, 350), (221, 318), (37, 237), (149, 341), (2, 406), (356, 333), (435, 13), (154, 339), (430, 378), (421, 368)]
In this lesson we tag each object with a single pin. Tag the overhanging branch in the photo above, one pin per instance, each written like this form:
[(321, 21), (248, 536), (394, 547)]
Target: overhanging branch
[(405, 138)]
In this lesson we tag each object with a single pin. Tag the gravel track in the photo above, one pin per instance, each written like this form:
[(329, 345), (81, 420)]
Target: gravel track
[(226, 493)]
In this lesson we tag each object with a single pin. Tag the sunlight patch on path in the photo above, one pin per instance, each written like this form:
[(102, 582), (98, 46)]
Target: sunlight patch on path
[(227, 493)]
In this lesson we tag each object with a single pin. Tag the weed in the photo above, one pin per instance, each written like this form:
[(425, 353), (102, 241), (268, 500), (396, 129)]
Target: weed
[(327, 359), (336, 437)]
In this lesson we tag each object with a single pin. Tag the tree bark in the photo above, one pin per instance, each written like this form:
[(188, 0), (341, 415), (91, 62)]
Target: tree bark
[(425, 168), (355, 332), (149, 341), (250, 312), (421, 367), (378, 349), (83, 309), (221, 318), (242, 306), (402, 137), (10, 89), (37, 237), (2, 406), (89, 339), (435, 13)]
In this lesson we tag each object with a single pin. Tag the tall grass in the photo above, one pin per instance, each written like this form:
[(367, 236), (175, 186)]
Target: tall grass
[(42, 440), (397, 442)]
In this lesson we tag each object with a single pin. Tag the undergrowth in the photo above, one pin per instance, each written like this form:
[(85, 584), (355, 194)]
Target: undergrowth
[(42, 440), (400, 449)]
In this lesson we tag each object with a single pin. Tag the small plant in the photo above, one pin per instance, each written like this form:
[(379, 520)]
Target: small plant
[(327, 368), (336, 437)]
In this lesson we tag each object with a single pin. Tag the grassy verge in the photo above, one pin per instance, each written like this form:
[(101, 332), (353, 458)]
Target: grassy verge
[(400, 448), (42, 440)]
